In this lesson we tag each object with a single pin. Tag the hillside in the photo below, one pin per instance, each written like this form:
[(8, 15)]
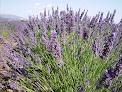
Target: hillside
[(10, 17)]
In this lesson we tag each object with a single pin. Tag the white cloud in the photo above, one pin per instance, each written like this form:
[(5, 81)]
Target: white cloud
[(49, 6), (36, 4)]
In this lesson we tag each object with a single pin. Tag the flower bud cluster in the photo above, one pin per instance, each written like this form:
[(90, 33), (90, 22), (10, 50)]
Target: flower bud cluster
[(108, 46), (110, 75)]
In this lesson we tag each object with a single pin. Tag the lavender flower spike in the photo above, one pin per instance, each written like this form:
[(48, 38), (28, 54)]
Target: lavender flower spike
[(80, 88), (87, 82), (80, 51), (108, 46), (55, 48), (110, 74)]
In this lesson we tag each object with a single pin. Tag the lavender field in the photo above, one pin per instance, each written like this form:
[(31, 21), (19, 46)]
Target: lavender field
[(63, 51)]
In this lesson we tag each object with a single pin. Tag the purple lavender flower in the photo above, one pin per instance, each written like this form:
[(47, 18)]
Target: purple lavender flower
[(82, 14), (80, 88), (1, 86), (48, 67), (121, 81), (85, 34), (109, 75), (106, 85), (108, 46), (14, 85), (120, 88), (60, 63), (107, 17), (55, 48), (1, 39), (84, 69), (112, 17), (94, 49), (35, 31), (80, 51), (92, 24), (24, 72), (87, 82), (101, 17)]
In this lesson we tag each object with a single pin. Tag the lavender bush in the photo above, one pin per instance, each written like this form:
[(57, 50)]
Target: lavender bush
[(64, 51)]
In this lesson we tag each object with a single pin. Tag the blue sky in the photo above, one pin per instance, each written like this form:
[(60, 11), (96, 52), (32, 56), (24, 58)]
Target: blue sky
[(24, 8)]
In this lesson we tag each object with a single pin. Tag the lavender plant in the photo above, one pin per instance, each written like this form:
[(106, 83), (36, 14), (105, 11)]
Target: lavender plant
[(66, 51)]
